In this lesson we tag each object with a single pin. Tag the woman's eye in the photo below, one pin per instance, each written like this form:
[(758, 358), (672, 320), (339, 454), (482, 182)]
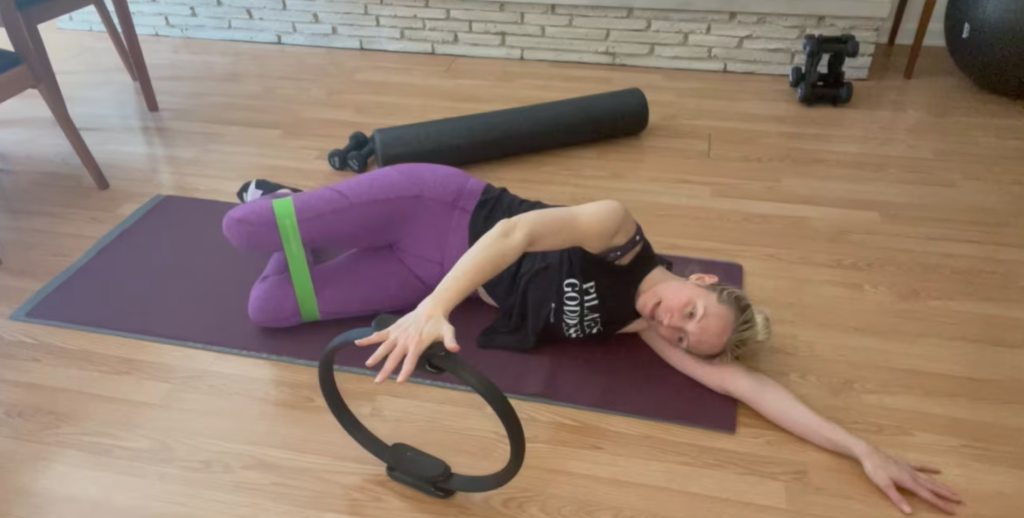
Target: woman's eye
[(692, 314)]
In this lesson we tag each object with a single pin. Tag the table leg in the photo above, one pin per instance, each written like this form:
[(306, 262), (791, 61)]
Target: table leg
[(131, 40), (922, 29)]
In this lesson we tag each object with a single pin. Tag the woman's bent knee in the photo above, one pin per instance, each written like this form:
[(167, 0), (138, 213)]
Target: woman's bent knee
[(252, 226), (273, 305)]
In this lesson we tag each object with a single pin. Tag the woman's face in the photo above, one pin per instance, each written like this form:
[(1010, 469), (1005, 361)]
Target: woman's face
[(686, 314)]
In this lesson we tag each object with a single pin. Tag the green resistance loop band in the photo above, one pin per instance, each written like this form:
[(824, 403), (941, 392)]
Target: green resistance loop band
[(288, 225)]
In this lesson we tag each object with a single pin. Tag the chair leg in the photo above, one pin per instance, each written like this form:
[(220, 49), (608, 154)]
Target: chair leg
[(131, 40), (28, 44), (115, 38), (60, 113), (43, 66), (922, 30), (897, 22)]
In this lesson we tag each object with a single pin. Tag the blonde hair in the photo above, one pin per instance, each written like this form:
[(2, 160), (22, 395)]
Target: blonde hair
[(751, 329)]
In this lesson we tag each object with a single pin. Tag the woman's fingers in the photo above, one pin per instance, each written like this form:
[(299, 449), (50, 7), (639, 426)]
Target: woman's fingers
[(404, 342), (939, 488), (449, 339), (375, 338), (897, 498), (382, 351), (389, 366), (409, 366), (930, 497), (926, 469)]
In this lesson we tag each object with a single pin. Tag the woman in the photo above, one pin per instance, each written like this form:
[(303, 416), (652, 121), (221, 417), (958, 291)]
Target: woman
[(426, 237)]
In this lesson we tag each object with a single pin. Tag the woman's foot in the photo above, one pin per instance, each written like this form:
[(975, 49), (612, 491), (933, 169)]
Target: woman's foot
[(255, 189)]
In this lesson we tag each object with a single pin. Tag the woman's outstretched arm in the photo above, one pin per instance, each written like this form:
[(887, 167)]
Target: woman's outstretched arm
[(593, 226), (782, 407)]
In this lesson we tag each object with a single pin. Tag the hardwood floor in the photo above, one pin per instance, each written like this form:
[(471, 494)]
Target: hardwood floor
[(886, 238)]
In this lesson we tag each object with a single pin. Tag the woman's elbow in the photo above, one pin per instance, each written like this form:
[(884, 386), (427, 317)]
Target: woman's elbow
[(510, 232)]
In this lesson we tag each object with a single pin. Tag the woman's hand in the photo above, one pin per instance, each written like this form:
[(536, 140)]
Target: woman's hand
[(407, 339), (890, 473)]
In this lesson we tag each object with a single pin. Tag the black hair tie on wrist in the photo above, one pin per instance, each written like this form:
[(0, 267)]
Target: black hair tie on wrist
[(406, 464)]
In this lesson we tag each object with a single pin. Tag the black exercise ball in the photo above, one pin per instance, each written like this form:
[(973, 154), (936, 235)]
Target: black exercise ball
[(986, 40)]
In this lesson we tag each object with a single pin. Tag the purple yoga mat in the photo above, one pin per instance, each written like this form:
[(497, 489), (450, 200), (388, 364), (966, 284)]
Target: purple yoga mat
[(167, 274)]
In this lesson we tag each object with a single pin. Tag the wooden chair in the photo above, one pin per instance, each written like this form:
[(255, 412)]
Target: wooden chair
[(36, 12), (922, 30), (23, 70)]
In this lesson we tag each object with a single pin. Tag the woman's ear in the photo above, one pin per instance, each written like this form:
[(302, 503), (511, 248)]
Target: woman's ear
[(703, 279)]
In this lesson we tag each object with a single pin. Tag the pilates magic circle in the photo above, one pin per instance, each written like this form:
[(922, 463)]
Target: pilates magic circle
[(406, 464)]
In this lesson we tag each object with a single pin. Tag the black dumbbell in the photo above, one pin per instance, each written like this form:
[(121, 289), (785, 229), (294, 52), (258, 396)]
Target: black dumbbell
[(810, 94), (812, 44), (803, 94), (835, 64), (846, 44), (339, 157), (845, 93), (796, 76), (852, 45), (358, 161)]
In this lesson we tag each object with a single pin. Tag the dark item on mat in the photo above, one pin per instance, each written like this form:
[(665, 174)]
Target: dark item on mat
[(168, 275), (480, 137), (407, 464), (812, 86)]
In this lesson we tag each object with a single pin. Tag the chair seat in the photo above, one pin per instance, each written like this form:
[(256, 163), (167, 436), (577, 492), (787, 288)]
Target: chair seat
[(8, 60)]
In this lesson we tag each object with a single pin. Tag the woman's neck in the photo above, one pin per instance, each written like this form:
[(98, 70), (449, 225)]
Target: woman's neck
[(652, 279), (656, 277)]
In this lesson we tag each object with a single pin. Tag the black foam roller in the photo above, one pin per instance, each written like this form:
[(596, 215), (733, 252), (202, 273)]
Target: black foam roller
[(528, 129)]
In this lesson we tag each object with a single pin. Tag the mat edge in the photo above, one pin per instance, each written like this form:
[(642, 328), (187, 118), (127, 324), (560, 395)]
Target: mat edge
[(350, 370), (20, 314)]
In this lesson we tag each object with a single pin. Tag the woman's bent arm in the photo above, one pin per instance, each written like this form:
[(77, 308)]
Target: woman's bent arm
[(593, 226)]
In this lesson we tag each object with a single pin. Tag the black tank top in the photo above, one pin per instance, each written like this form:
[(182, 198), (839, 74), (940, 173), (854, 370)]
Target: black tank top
[(568, 294)]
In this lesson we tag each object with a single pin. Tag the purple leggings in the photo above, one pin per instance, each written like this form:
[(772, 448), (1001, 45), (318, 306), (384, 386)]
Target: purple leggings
[(404, 227)]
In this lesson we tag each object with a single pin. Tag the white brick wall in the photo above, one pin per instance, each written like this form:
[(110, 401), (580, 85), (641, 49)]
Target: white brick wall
[(707, 40), (439, 36), (576, 34), (686, 40), (479, 39), (314, 28), (349, 19), (508, 28), (436, 25), (479, 51), (547, 19), (668, 26), (574, 57)]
